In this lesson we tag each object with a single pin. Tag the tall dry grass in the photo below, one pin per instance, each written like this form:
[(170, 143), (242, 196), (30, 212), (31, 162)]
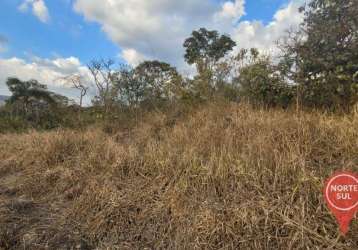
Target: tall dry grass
[(224, 177)]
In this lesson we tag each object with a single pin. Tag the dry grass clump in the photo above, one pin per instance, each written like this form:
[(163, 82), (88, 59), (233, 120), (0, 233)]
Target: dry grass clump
[(226, 176)]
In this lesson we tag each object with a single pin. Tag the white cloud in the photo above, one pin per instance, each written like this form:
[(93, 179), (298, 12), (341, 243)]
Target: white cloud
[(46, 71), (157, 29), (132, 57), (39, 9), (154, 29), (250, 34), (231, 11)]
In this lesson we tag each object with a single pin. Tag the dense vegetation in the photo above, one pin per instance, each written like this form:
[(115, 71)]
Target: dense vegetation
[(234, 157), (318, 68)]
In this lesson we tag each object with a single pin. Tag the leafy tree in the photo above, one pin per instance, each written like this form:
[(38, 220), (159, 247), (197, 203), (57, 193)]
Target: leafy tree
[(158, 78), (323, 55), (131, 90), (28, 93), (32, 104), (259, 81), (150, 83), (205, 49), (61, 100)]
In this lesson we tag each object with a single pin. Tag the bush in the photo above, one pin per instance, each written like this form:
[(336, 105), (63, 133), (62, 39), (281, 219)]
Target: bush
[(262, 85)]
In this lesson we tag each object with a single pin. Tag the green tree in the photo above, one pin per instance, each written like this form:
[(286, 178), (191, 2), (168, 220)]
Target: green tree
[(28, 94), (34, 105), (323, 55), (159, 80), (205, 49), (150, 83), (259, 81), (130, 89)]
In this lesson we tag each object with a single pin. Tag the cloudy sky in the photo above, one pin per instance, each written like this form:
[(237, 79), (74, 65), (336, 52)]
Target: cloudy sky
[(49, 39)]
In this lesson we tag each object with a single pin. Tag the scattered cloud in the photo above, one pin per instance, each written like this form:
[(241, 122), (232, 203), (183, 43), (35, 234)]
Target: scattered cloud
[(264, 37), (39, 9), (157, 29), (132, 57), (231, 11), (153, 29), (47, 71)]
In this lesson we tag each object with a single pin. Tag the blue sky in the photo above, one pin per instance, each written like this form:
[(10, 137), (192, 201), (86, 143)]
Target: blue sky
[(57, 37), (66, 34)]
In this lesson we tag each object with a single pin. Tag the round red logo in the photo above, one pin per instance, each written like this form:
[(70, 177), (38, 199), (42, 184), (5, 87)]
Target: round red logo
[(341, 194)]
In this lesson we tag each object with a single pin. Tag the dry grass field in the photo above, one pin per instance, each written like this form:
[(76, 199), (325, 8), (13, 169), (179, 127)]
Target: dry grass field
[(223, 177)]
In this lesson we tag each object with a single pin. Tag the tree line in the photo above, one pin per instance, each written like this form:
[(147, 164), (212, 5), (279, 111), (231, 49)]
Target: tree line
[(317, 68)]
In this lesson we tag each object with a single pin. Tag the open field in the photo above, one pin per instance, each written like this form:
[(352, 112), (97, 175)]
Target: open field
[(223, 177)]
